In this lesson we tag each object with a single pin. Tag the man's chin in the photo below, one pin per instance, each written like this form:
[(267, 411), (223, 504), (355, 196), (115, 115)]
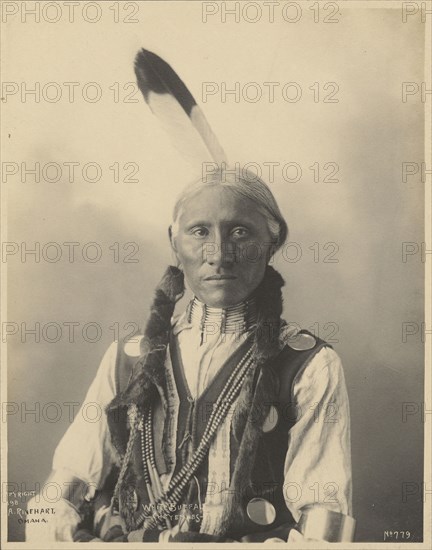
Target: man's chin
[(221, 299)]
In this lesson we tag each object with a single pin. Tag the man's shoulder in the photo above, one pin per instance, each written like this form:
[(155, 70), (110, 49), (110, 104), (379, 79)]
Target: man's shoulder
[(129, 351), (293, 338), (299, 348)]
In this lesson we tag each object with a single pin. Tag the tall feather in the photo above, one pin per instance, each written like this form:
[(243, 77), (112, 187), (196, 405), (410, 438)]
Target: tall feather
[(170, 100)]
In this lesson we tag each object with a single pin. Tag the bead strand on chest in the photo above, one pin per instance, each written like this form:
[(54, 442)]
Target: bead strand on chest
[(169, 499)]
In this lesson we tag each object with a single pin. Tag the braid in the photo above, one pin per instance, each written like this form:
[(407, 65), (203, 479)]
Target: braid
[(133, 422), (269, 300), (167, 293), (156, 335)]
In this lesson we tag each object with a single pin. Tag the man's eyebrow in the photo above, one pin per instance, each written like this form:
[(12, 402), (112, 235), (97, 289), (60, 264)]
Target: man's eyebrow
[(232, 222), (192, 223)]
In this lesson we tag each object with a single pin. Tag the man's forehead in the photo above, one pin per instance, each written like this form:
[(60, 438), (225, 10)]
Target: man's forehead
[(219, 204)]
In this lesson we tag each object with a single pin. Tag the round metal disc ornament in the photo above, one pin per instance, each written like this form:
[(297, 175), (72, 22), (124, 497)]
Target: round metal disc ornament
[(261, 511), (271, 420), (132, 347), (302, 342)]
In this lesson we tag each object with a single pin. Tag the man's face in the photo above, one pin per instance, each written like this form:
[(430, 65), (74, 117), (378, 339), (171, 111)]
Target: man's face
[(223, 244)]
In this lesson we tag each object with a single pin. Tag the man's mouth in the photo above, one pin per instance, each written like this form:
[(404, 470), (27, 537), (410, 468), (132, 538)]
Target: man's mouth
[(219, 277)]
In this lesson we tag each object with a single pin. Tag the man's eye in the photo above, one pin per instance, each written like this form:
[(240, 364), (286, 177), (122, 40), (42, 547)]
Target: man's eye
[(200, 232), (240, 232)]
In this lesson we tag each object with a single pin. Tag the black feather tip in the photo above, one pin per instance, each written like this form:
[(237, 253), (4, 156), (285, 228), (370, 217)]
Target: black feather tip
[(155, 75)]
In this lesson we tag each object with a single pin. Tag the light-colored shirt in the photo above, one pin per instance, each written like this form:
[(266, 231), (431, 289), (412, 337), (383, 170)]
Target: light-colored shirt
[(318, 462)]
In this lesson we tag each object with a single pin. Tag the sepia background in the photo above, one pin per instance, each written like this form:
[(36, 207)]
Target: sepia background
[(346, 276)]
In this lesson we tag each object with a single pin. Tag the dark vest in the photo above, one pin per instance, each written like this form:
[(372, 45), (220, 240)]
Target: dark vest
[(264, 477)]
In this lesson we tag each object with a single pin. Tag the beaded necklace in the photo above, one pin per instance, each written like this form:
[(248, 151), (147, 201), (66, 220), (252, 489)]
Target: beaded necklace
[(236, 319)]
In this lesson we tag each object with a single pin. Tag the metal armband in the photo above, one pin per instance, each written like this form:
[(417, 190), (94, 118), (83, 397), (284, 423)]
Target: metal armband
[(322, 524)]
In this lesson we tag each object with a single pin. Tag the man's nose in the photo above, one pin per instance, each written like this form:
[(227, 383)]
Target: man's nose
[(220, 252)]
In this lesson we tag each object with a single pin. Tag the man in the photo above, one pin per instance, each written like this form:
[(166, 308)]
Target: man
[(210, 431)]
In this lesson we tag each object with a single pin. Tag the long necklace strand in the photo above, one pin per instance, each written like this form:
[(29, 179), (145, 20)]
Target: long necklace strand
[(151, 476), (168, 500)]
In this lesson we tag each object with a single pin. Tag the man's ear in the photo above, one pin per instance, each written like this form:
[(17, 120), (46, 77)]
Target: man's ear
[(172, 239), (173, 246), (271, 251)]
